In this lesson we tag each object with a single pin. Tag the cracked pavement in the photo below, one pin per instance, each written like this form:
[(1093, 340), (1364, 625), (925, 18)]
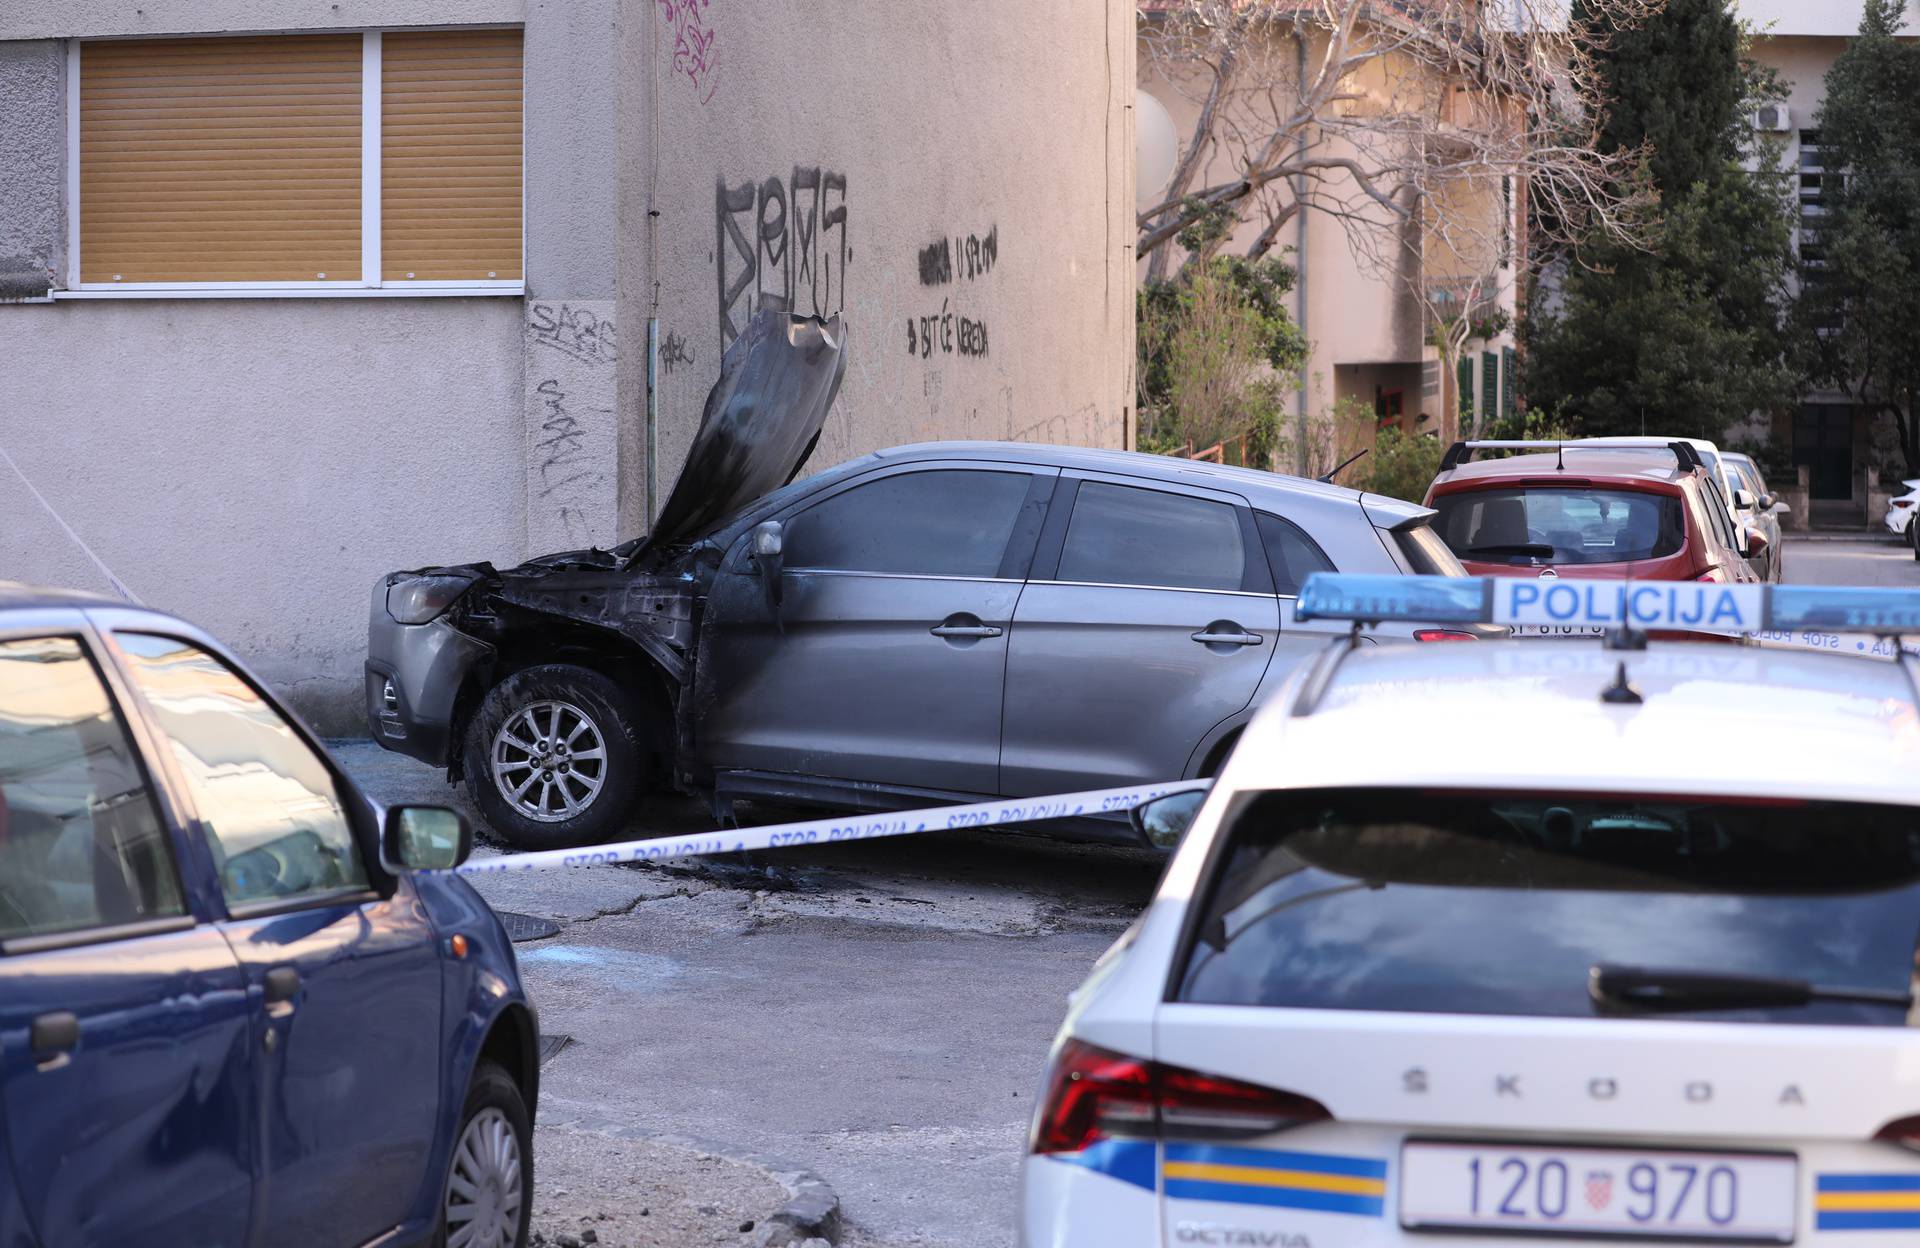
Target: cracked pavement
[(875, 1011)]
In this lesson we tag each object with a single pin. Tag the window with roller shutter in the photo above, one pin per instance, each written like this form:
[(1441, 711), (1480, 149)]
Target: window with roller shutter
[(327, 162)]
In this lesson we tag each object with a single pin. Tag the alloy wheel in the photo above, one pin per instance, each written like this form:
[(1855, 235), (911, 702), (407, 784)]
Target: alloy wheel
[(549, 761), (483, 1188)]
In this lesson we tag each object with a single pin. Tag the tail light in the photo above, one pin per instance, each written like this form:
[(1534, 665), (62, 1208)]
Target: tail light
[(1093, 1095), (1442, 634), (1903, 502), (1711, 574), (1903, 1132)]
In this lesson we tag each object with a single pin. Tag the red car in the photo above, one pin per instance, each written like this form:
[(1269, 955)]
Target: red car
[(1647, 512)]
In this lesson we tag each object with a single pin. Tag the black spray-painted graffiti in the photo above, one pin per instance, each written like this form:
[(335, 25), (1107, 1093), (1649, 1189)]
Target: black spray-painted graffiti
[(947, 332), (574, 331), (962, 259), (674, 350), (953, 259), (565, 461), (780, 241)]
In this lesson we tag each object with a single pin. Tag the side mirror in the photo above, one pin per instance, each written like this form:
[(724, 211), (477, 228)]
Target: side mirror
[(1743, 500), (768, 553), (424, 838), (1756, 543), (1768, 502), (1164, 820), (1782, 509)]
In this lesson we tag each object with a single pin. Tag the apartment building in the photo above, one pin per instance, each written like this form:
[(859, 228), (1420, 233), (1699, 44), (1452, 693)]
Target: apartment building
[(1371, 290)]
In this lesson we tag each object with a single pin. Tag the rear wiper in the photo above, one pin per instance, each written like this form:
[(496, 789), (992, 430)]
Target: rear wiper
[(1638, 989), (1540, 549)]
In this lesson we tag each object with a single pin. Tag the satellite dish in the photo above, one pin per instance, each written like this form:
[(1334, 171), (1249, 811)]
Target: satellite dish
[(1156, 149)]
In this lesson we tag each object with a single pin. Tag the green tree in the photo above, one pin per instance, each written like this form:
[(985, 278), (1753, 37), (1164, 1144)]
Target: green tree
[(1859, 314), (1216, 349), (1686, 336)]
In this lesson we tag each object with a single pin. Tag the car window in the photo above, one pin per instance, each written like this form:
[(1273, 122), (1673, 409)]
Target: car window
[(1572, 525), (81, 844), (273, 817), (1719, 516), (1120, 535), (1420, 900), (1292, 555), (1426, 553), (944, 522)]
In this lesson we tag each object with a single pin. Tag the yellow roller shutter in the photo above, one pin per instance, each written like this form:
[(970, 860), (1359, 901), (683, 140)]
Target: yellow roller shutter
[(450, 120), (220, 160)]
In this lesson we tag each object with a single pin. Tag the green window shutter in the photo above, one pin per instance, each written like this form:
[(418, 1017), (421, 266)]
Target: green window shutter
[(1508, 400), (1489, 383), (1465, 388)]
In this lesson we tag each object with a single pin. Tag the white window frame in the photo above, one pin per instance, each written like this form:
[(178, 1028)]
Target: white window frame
[(368, 283)]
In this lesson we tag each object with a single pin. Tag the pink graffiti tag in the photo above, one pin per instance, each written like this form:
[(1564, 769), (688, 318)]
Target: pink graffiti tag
[(692, 43)]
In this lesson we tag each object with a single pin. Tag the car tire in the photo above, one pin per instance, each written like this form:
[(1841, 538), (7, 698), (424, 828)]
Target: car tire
[(490, 1173), (576, 788)]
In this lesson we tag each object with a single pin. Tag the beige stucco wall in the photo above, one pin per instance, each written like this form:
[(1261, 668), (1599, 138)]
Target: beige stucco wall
[(256, 463), (875, 131)]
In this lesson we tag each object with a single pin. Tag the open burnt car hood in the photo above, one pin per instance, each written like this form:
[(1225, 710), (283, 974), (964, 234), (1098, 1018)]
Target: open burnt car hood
[(763, 416)]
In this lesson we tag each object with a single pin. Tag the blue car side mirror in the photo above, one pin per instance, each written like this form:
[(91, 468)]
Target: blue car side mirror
[(424, 838)]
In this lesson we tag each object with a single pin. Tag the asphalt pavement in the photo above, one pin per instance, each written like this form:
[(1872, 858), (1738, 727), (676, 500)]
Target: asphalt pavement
[(1871, 559), (876, 1012)]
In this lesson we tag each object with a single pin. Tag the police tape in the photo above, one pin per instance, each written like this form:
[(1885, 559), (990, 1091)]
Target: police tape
[(1001, 812), (1835, 643)]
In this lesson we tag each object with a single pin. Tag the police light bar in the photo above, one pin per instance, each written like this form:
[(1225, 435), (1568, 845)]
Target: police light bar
[(1693, 606)]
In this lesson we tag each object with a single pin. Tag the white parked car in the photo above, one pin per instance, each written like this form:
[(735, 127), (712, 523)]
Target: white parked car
[(1521, 941), (1900, 514)]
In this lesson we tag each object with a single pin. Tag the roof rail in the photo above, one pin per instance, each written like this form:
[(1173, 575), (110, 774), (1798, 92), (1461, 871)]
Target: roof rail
[(1461, 452)]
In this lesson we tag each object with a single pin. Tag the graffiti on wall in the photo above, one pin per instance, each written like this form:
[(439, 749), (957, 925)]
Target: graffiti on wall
[(692, 43), (674, 350), (953, 261), (571, 357), (573, 330), (959, 259), (781, 241)]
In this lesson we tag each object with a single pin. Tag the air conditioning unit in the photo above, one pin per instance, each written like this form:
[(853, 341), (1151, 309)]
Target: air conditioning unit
[(1775, 118)]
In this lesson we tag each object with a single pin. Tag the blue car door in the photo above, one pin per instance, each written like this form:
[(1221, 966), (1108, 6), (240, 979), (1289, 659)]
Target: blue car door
[(344, 985), (125, 1039)]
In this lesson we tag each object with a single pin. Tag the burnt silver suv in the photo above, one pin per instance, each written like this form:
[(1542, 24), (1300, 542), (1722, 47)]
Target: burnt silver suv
[(926, 623)]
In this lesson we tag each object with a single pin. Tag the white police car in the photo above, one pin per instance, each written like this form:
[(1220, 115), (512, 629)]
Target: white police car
[(1521, 942)]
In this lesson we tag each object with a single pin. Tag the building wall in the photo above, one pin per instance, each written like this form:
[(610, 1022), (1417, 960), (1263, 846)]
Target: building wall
[(256, 463), (954, 179)]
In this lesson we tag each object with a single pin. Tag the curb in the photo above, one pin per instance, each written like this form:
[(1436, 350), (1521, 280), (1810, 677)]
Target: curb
[(1874, 537), (810, 1213)]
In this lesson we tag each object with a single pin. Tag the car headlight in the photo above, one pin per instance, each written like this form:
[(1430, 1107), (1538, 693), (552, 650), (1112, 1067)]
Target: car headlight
[(421, 599)]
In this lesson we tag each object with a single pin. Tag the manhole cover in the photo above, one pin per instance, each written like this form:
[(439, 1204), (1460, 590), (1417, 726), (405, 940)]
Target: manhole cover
[(525, 927), (551, 1045)]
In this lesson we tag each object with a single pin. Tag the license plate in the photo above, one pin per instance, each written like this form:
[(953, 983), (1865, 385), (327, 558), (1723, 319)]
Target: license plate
[(1557, 630), (1618, 1193)]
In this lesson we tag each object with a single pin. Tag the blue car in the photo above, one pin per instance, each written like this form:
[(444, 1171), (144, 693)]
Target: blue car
[(230, 1011)]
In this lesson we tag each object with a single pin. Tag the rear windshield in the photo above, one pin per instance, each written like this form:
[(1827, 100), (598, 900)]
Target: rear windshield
[(1462, 902), (1561, 525)]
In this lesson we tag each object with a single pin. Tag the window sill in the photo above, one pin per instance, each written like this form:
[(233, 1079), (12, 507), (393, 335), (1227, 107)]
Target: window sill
[(498, 289)]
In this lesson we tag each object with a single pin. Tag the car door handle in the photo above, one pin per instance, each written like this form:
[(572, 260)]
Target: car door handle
[(1226, 634), (963, 624)]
